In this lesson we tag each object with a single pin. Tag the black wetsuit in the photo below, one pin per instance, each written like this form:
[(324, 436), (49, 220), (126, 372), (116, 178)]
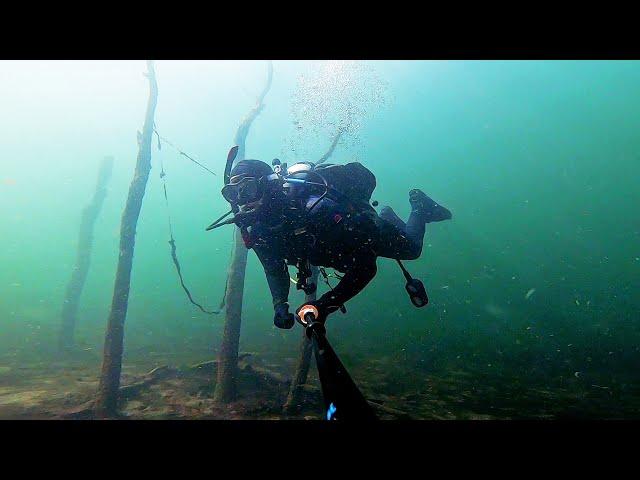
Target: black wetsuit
[(338, 233)]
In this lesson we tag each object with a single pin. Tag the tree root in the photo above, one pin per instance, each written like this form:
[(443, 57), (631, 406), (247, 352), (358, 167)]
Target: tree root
[(266, 374), (128, 392), (210, 366), (398, 414), (155, 375), (86, 410)]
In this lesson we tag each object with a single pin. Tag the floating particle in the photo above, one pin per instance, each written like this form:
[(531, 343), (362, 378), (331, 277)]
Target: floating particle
[(529, 293)]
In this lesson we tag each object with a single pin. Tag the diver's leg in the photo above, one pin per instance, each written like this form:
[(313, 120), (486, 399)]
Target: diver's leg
[(406, 243), (398, 243), (387, 213), (423, 210)]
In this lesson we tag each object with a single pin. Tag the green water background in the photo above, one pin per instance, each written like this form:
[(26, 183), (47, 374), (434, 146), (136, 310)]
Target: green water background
[(538, 161)]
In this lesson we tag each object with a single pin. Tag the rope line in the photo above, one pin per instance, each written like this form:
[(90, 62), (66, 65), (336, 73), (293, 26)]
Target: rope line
[(180, 151), (172, 241)]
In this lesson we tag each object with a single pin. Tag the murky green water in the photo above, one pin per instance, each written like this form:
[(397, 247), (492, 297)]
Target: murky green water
[(533, 284)]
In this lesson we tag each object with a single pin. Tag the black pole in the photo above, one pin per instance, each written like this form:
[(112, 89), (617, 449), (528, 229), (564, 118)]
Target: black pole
[(343, 400)]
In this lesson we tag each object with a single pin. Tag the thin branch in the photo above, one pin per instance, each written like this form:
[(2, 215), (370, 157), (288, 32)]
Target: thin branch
[(243, 129), (333, 146)]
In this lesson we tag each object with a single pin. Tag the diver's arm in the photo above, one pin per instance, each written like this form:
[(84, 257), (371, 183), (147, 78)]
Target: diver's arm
[(352, 283), (277, 275)]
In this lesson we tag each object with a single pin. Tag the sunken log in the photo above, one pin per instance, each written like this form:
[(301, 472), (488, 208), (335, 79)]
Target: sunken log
[(158, 374)]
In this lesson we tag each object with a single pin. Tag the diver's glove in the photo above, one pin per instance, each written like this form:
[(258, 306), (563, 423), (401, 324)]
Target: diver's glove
[(282, 318)]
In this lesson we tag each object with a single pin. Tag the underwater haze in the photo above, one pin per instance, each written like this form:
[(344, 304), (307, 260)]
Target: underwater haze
[(533, 285)]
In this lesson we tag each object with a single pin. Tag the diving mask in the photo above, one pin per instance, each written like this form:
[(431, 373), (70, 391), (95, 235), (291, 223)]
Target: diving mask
[(241, 190)]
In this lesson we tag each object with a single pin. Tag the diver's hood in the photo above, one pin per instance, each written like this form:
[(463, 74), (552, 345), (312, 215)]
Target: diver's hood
[(250, 168)]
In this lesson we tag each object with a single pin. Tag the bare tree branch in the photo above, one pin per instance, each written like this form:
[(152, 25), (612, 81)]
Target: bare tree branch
[(333, 146)]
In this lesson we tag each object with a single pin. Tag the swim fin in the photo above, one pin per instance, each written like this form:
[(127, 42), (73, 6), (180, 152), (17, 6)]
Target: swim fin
[(427, 208)]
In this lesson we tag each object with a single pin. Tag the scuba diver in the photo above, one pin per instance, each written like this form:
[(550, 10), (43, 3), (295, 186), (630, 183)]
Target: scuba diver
[(319, 216)]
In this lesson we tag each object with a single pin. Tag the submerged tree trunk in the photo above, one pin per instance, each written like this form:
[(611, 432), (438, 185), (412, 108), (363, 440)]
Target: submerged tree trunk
[(83, 257), (294, 397), (225, 390), (107, 400)]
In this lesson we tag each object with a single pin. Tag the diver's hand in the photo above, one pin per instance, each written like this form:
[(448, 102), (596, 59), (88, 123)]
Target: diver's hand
[(282, 318)]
